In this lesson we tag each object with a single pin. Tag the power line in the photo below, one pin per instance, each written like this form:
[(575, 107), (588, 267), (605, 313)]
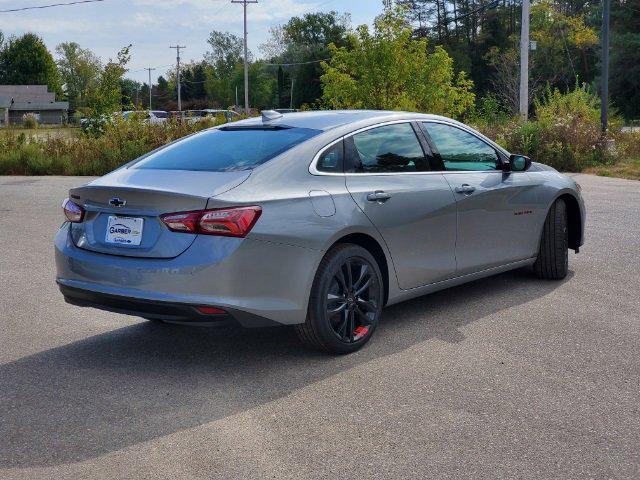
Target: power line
[(296, 63), (304, 12), (39, 7), (488, 6), (223, 7), (628, 8), (137, 70), (563, 34)]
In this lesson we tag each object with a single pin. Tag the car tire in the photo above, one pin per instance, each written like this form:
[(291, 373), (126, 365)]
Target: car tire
[(345, 303), (553, 255)]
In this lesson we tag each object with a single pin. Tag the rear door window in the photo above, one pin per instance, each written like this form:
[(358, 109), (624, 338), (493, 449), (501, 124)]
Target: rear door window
[(226, 149), (388, 149)]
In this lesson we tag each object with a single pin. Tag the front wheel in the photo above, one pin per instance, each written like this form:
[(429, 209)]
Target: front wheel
[(553, 255), (346, 301)]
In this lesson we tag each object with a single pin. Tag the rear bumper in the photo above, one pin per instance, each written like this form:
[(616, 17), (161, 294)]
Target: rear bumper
[(257, 282), (166, 311)]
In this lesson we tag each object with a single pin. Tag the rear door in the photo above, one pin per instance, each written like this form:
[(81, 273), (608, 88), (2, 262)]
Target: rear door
[(389, 176), (495, 208)]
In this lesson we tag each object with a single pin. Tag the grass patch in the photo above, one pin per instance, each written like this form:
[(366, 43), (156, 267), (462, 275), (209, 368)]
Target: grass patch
[(629, 169), (41, 133), (69, 151)]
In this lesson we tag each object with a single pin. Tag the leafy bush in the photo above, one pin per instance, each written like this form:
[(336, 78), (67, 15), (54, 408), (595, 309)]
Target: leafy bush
[(29, 120), (565, 133)]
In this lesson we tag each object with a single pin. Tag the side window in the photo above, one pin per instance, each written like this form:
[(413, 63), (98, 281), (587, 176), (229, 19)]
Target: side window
[(460, 150), (391, 148), (331, 160)]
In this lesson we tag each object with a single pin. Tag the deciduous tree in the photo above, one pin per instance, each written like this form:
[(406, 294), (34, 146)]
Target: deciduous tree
[(79, 71), (26, 61), (388, 69)]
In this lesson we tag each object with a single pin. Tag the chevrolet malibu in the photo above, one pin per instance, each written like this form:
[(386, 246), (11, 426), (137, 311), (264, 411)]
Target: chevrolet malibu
[(316, 220)]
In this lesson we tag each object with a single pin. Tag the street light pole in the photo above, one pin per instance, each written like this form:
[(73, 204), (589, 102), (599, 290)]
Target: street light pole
[(178, 47), (246, 60), (149, 70), (524, 60), (291, 102), (604, 93)]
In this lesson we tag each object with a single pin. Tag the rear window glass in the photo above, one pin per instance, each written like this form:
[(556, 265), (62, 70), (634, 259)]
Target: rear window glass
[(225, 150), (161, 114)]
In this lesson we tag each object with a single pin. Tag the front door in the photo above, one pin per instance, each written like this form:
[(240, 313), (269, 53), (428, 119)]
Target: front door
[(495, 208), (390, 178)]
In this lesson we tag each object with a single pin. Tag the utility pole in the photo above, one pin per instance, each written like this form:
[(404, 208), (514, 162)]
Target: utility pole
[(149, 70), (524, 60), (178, 47), (246, 60), (604, 94), (292, 82)]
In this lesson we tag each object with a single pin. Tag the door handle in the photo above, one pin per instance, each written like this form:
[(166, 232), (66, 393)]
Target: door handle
[(465, 188), (379, 196)]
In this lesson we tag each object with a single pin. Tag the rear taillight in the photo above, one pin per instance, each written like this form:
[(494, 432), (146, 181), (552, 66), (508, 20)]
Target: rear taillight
[(73, 212), (228, 222)]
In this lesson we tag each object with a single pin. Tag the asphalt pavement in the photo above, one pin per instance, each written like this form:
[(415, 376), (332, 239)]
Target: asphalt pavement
[(506, 377)]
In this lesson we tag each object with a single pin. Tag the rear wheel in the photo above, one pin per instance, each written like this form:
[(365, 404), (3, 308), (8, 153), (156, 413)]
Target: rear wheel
[(345, 302), (553, 255)]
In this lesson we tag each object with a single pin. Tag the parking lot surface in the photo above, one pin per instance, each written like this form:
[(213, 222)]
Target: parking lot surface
[(506, 377)]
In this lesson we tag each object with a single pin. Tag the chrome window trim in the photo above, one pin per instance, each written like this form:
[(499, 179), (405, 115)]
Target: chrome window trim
[(313, 170)]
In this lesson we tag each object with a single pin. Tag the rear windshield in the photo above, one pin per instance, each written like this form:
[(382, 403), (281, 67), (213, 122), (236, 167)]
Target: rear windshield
[(161, 114), (226, 149)]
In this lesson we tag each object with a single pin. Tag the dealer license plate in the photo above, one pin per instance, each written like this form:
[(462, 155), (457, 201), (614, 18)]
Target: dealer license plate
[(124, 230)]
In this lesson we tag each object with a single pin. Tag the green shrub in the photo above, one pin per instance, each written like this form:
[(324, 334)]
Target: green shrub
[(29, 120), (565, 132), (10, 163)]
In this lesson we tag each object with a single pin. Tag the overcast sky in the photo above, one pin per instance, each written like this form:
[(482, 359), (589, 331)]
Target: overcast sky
[(153, 25)]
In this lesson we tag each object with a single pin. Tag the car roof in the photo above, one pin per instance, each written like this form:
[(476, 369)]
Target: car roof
[(330, 119)]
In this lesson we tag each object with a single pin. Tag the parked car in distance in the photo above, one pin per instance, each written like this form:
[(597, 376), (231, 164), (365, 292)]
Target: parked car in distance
[(193, 116), (313, 219), (152, 117), (99, 122), (229, 114), (285, 110)]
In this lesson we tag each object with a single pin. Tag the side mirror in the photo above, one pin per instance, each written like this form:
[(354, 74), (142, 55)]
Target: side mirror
[(519, 163)]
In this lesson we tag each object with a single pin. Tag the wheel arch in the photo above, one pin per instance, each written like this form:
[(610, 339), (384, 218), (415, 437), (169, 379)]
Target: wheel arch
[(574, 220), (374, 248)]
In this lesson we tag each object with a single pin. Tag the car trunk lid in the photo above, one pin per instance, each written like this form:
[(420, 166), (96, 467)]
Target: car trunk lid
[(123, 209)]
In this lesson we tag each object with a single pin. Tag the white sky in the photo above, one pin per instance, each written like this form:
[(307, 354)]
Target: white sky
[(153, 25)]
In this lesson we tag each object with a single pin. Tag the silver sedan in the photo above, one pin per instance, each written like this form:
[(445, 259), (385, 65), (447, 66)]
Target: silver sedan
[(316, 220)]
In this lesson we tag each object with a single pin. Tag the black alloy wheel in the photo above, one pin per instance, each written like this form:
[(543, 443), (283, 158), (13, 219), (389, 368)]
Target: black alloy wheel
[(346, 301), (352, 300)]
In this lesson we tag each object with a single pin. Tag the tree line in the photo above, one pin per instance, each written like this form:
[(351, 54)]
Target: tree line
[(442, 56)]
